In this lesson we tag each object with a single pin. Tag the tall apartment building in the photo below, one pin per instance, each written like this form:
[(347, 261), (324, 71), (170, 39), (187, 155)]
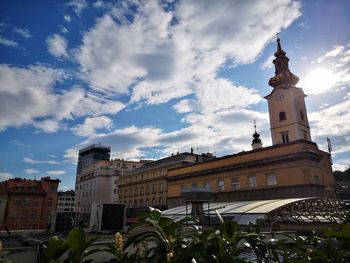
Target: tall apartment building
[(28, 202), (66, 201), (92, 154), (99, 183)]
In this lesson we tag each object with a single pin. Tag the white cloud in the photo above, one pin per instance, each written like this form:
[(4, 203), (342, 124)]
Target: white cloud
[(67, 18), (268, 62), (8, 42), (57, 46), (56, 172), (24, 32), (32, 161), (335, 51), (37, 103), (64, 30), (31, 171), (91, 124), (5, 176), (158, 60), (78, 6)]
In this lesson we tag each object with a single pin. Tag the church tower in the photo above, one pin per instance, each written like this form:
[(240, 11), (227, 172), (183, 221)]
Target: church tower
[(287, 110)]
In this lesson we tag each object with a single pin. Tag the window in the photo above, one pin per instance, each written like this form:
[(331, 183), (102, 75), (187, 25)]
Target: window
[(26, 201), (194, 185), (147, 189), (32, 188), (115, 191), (135, 203), (206, 185), (153, 202), (130, 192), (33, 215), (160, 201), (141, 203), (271, 179), (49, 202), (141, 190), (124, 165), (134, 166), (252, 181), (130, 204), (147, 203), (18, 201), (282, 116), (317, 179), (302, 115), (235, 183), (285, 137), (35, 201), (154, 188), (20, 187), (161, 188), (220, 185), (136, 192)]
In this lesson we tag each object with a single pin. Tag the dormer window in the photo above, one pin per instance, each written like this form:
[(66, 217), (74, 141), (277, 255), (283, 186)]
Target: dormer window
[(282, 116)]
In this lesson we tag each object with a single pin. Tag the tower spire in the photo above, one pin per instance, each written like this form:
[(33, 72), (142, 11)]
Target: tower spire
[(256, 143), (283, 77)]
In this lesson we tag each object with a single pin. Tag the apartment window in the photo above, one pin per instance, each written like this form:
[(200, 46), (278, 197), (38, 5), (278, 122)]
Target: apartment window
[(118, 165), (317, 179), (32, 188), (194, 185), (18, 201), (160, 201), (33, 215), (161, 188), (147, 203), (220, 185), (136, 191), (153, 202), (252, 181), (26, 201), (135, 203), (206, 185), (235, 183), (49, 202), (124, 165), (271, 179), (282, 116), (130, 204), (134, 166), (154, 188), (285, 137), (141, 203), (115, 191), (35, 201)]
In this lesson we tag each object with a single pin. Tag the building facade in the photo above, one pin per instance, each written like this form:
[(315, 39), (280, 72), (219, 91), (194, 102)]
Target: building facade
[(147, 185), (29, 202), (292, 167), (99, 183), (92, 154), (66, 201)]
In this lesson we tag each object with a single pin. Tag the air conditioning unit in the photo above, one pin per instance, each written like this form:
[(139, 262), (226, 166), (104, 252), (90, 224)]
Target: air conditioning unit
[(107, 217)]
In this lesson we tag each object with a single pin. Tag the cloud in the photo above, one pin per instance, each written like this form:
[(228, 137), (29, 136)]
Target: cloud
[(32, 90), (157, 55), (56, 172), (57, 46), (23, 32), (31, 161), (268, 62), (67, 18), (78, 6), (6, 176), (8, 42), (91, 124), (31, 171)]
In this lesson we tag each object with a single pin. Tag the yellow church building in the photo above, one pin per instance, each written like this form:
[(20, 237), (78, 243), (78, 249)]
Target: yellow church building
[(292, 167)]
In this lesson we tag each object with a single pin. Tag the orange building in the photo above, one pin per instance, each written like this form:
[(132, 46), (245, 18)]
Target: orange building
[(292, 167), (28, 202)]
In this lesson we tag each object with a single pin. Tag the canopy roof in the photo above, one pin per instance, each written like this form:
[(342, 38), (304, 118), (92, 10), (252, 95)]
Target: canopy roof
[(272, 211)]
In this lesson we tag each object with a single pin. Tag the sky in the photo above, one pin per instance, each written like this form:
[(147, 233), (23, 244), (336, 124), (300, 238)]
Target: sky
[(151, 78)]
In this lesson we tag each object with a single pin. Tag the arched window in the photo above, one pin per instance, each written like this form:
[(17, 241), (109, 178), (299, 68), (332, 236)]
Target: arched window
[(135, 204), (282, 116), (141, 203), (147, 203), (130, 204), (160, 201), (153, 202)]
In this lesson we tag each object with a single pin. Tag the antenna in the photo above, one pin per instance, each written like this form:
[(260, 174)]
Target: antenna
[(255, 125)]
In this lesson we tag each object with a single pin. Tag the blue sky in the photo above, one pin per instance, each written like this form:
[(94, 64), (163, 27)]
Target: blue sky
[(150, 78)]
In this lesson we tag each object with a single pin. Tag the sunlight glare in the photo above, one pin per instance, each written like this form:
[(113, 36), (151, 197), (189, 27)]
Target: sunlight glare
[(318, 81)]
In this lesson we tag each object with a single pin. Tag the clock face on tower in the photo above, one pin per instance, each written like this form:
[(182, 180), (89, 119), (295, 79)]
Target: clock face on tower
[(279, 95)]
